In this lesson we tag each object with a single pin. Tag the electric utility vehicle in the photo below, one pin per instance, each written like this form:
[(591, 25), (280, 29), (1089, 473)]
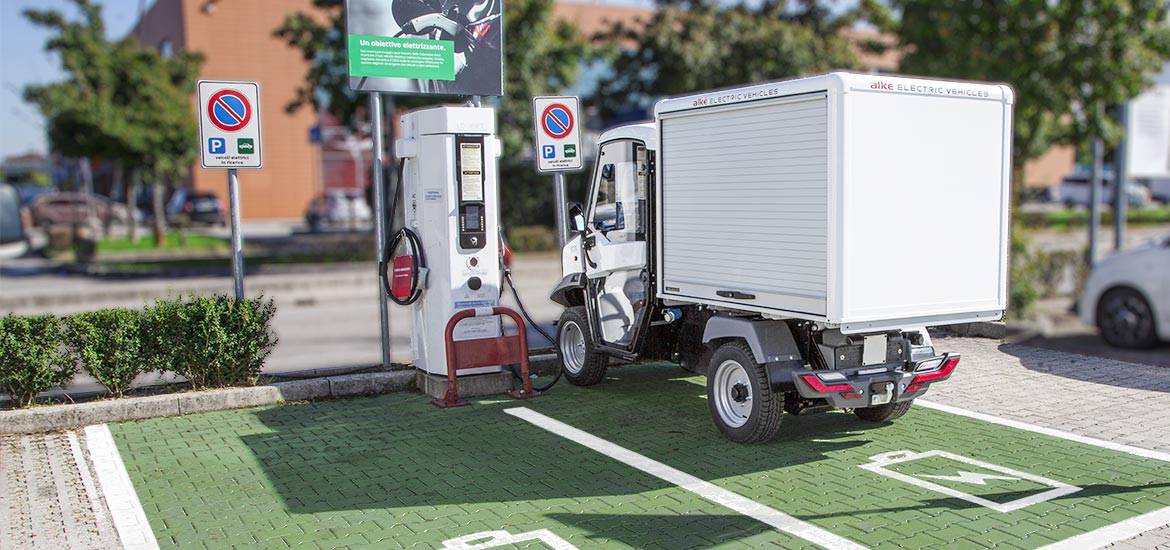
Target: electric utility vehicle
[(791, 241)]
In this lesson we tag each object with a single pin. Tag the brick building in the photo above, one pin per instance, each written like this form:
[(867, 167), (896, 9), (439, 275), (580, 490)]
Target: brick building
[(236, 38)]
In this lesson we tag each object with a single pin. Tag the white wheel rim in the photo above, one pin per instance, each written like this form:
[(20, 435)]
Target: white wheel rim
[(572, 345), (733, 393)]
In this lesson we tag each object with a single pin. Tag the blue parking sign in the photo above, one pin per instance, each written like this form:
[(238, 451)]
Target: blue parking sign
[(548, 151), (216, 146)]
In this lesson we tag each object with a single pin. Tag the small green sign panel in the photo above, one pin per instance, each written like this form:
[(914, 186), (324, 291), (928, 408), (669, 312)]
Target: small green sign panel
[(570, 151), (245, 146), (386, 57)]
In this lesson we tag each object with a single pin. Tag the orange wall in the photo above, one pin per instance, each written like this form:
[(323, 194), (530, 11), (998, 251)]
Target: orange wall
[(235, 36)]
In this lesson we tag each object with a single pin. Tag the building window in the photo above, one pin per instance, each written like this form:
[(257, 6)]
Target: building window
[(166, 48)]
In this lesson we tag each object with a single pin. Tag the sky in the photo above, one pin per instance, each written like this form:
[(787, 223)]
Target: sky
[(24, 61)]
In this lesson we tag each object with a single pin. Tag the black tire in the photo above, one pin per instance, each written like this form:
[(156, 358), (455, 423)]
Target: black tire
[(581, 363), (742, 403), (884, 413), (1126, 320)]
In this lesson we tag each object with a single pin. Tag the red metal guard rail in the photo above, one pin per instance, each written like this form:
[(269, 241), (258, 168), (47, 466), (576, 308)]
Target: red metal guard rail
[(484, 352)]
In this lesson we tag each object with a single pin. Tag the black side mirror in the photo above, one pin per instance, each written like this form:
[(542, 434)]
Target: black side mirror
[(576, 217)]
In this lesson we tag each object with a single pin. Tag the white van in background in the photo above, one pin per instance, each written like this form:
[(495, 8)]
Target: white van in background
[(1075, 191)]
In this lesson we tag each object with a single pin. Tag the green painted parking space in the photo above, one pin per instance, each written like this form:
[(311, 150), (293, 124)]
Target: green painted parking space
[(393, 471)]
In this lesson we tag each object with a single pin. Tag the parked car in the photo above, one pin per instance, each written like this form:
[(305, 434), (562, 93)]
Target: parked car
[(1127, 296), (1159, 189), (1075, 191), (338, 207), (200, 207), (13, 230), (77, 208)]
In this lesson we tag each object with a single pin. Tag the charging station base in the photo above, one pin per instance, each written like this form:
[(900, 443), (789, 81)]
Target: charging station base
[(475, 385)]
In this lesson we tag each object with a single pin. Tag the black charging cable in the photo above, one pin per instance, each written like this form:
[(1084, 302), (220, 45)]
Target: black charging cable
[(524, 311), (418, 261)]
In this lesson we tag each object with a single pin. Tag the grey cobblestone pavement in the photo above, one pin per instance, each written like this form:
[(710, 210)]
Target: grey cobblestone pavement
[(49, 497), (48, 501), (1102, 398)]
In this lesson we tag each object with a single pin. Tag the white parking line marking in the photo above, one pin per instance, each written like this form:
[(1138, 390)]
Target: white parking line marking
[(129, 518), (708, 491), (1113, 533), (1128, 449), (1100, 537)]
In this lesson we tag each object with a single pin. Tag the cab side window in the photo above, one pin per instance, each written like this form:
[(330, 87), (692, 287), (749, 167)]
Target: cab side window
[(616, 208)]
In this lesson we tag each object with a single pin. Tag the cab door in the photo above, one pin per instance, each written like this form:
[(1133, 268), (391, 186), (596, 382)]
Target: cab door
[(615, 244)]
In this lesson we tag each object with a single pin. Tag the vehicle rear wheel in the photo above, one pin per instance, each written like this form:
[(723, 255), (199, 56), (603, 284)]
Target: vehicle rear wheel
[(581, 364), (741, 400), (1126, 320), (884, 413)]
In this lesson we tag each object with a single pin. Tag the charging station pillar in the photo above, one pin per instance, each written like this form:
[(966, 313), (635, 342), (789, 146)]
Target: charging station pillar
[(450, 199)]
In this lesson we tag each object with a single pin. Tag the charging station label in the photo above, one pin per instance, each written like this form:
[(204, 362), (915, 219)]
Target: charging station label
[(558, 133)]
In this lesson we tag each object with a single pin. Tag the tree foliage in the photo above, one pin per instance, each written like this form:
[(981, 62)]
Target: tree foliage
[(120, 101), (701, 45), (1067, 60)]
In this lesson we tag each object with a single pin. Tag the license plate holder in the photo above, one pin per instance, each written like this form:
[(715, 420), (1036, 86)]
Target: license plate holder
[(881, 393)]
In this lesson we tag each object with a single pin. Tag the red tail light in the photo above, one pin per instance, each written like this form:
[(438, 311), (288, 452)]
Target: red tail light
[(187, 207), (816, 384), (947, 368)]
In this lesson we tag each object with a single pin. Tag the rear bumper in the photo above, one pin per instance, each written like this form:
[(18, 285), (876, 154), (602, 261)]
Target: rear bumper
[(876, 385)]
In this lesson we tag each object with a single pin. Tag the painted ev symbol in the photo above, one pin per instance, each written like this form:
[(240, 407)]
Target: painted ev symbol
[(914, 468)]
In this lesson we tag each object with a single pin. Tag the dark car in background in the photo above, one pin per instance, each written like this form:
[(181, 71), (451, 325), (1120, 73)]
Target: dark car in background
[(70, 208), (198, 207)]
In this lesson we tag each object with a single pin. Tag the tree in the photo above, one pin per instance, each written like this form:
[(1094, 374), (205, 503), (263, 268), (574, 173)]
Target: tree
[(705, 44), (120, 101), (1064, 59), (540, 57)]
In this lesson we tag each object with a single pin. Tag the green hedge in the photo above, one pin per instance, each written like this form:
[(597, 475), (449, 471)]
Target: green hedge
[(213, 341)]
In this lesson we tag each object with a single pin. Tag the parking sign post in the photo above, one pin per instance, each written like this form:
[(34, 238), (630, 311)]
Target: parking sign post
[(558, 143), (237, 238), (229, 137)]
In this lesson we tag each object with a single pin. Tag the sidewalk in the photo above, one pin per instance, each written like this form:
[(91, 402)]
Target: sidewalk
[(1111, 400)]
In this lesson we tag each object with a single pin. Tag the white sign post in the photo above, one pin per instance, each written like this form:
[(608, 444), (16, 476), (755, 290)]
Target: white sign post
[(229, 137), (558, 146)]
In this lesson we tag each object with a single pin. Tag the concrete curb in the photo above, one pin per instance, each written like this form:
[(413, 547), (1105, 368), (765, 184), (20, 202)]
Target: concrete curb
[(61, 417)]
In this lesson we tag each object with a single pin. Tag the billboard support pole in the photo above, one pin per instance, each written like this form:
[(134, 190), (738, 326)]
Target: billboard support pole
[(1121, 183), (1095, 176), (380, 221)]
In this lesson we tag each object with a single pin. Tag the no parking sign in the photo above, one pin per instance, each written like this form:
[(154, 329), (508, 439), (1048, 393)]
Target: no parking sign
[(558, 133), (229, 124)]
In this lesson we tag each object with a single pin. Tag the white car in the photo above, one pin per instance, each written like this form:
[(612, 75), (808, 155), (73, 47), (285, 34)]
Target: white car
[(338, 207), (1127, 296)]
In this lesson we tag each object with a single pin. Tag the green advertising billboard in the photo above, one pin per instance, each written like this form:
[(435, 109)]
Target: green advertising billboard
[(425, 46)]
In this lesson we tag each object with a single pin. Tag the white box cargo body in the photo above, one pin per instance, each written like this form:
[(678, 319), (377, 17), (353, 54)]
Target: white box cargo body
[(868, 201)]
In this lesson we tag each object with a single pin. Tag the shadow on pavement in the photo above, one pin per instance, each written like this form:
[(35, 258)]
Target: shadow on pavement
[(1093, 345), (1088, 368), (398, 451)]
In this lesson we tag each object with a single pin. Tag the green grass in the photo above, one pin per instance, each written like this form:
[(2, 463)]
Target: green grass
[(146, 242), (1063, 219)]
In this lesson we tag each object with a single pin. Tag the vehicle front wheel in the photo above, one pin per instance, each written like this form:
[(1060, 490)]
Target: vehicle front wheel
[(884, 413), (742, 403), (581, 363), (1126, 320)]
